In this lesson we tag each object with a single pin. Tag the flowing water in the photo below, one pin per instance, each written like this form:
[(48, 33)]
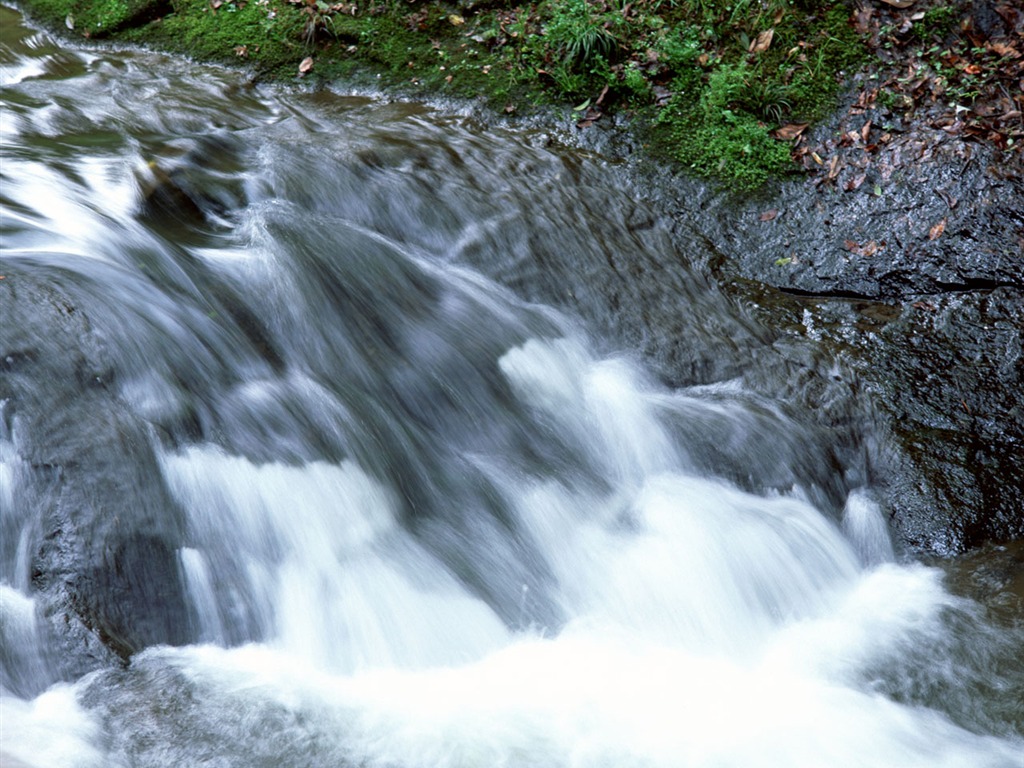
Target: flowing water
[(416, 516)]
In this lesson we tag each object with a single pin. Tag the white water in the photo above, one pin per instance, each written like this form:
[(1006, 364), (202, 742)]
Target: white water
[(671, 619), (708, 626)]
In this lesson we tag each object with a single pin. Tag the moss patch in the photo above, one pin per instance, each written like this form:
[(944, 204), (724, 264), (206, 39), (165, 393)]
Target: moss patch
[(712, 78)]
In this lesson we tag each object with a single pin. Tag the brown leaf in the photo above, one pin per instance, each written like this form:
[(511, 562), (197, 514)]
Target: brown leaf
[(862, 19), (1003, 49), (833, 167), (855, 182), (899, 3), (935, 232), (791, 131), (763, 41), (769, 215), (869, 248), (306, 65), (865, 131)]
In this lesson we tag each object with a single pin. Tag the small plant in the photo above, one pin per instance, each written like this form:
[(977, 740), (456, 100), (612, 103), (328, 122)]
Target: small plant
[(635, 81), (318, 18), (578, 36), (763, 97)]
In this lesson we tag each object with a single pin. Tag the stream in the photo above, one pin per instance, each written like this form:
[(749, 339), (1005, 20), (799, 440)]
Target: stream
[(306, 459)]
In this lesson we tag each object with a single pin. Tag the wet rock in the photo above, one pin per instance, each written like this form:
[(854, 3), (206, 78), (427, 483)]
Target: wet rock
[(103, 530)]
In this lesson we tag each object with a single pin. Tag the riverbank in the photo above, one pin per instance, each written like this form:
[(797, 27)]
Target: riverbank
[(886, 261), (726, 90)]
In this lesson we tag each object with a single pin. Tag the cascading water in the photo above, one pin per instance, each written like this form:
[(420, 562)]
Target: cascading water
[(344, 501)]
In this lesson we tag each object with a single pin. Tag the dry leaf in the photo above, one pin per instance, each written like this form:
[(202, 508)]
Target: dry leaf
[(769, 215), (833, 167), (763, 41), (306, 65), (817, 157), (899, 3), (455, 20), (865, 131), (935, 232), (791, 131), (855, 183), (1003, 49), (869, 248)]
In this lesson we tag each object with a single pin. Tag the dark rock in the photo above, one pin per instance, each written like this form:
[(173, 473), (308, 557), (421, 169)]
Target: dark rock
[(105, 530)]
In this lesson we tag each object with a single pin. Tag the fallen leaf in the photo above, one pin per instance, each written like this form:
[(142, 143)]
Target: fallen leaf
[(763, 41), (973, 69), (69, 21), (455, 20), (865, 131), (833, 167), (791, 131), (855, 182), (592, 115), (783, 261), (306, 65), (869, 248), (935, 232), (817, 158), (899, 3), (1003, 49), (241, 51), (769, 215)]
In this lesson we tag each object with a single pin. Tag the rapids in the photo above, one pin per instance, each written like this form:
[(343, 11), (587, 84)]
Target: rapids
[(291, 422)]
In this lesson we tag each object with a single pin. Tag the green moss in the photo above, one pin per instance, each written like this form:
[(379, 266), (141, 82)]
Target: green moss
[(96, 19), (262, 32), (695, 62)]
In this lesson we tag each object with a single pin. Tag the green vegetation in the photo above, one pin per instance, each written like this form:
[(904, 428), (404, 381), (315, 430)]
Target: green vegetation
[(712, 78)]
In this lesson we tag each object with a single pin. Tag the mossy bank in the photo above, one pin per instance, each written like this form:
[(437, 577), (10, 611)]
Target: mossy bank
[(712, 81)]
